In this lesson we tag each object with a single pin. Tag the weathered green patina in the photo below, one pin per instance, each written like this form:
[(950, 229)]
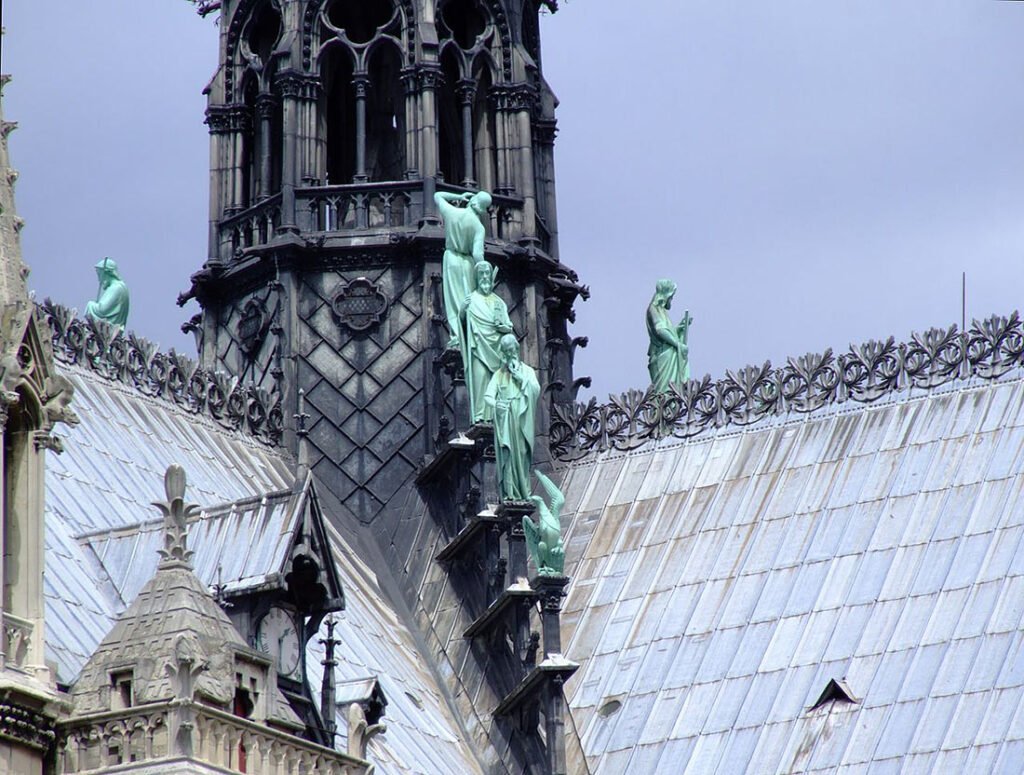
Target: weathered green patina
[(511, 404), (544, 540), (668, 354), (484, 320), (111, 303), (464, 216)]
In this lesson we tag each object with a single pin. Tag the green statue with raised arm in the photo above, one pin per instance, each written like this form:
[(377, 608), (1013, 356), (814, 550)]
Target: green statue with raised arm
[(511, 401), (544, 539), (464, 216), (111, 303), (484, 320), (668, 354)]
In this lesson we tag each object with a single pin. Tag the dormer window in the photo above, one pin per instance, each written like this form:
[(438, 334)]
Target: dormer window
[(245, 695), (121, 695)]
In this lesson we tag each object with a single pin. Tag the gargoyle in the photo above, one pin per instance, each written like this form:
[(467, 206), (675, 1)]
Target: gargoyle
[(11, 373), (545, 540), (56, 403), (360, 732)]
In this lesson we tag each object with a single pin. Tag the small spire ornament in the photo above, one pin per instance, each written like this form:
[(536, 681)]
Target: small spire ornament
[(176, 514)]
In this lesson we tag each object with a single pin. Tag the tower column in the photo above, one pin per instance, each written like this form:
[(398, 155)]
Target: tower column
[(466, 91), (290, 85), (522, 102), (221, 151), (412, 124), (265, 104), (544, 131), (308, 150), (503, 184), (241, 126), (429, 76), (361, 83)]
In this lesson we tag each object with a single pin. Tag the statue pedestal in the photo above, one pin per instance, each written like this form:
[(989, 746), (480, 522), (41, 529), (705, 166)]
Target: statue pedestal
[(542, 687), (551, 590), (481, 432), (465, 541), (453, 452), (512, 512), (504, 614)]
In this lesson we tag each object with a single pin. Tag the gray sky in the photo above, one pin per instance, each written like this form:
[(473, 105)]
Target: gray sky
[(812, 173)]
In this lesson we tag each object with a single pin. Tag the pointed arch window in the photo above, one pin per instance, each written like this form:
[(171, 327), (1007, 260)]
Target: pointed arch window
[(261, 146), (363, 110), (466, 118)]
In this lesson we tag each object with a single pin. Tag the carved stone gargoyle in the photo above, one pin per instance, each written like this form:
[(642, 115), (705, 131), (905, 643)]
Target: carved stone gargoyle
[(360, 731), (545, 540)]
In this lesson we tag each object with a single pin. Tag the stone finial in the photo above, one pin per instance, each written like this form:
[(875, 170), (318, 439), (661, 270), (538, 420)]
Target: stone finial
[(176, 514), (302, 436), (328, 688)]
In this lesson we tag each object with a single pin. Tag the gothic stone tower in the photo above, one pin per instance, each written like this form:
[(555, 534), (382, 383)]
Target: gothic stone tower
[(332, 125)]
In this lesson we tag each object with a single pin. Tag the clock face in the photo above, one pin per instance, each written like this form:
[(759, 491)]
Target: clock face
[(276, 635)]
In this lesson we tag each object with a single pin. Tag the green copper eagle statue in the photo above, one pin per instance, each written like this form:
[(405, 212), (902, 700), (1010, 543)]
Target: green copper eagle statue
[(545, 540)]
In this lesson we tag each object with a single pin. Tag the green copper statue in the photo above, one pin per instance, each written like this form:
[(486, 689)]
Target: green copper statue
[(111, 303), (511, 403), (463, 247), (668, 354), (545, 540), (484, 320)]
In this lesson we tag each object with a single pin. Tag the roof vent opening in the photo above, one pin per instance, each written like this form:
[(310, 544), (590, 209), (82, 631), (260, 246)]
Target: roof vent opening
[(835, 690), (610, 708)]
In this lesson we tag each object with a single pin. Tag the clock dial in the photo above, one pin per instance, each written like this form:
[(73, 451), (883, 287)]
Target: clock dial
[(277, 636)]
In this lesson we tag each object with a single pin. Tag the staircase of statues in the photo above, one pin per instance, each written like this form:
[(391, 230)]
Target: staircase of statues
[(478, 487), (342, 136)]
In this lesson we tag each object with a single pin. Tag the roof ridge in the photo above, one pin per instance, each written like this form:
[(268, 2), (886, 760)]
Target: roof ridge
[(216, 511), (864, 374), (173, 377)]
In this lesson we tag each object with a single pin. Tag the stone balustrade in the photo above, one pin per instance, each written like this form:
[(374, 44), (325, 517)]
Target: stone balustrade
[(177, 731), (17, 639), (355, 208)]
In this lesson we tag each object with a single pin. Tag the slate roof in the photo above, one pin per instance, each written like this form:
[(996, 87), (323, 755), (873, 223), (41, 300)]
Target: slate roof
[(719, 584), (99, 531)]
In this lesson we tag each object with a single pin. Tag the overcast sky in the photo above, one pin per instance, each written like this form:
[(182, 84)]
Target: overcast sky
[(811, 172)]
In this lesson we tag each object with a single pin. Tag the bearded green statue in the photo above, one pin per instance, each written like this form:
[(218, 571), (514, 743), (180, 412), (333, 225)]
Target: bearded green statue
[(511, 404), (111, 303), (464, 216), (484, 320), (668, 356)]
